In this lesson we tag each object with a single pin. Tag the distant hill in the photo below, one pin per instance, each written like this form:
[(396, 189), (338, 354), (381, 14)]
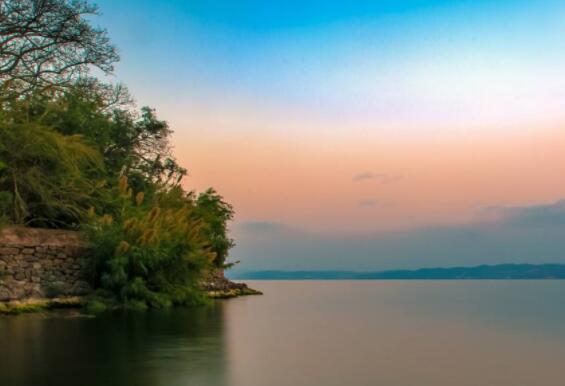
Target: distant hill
[(482, 272)]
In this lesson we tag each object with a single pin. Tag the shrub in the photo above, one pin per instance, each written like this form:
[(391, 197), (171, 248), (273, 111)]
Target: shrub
[(151, 254)]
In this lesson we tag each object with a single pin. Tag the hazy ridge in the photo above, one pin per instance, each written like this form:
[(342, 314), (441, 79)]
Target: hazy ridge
[(482, 272)]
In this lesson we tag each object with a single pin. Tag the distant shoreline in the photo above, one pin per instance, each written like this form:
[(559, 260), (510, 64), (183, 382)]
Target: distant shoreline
[(482, 272)]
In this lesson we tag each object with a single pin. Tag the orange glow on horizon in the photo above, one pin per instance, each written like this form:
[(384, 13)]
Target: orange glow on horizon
[(422, 178)]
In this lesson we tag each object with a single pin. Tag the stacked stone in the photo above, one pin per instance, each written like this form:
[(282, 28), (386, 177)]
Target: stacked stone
[(28, 270)]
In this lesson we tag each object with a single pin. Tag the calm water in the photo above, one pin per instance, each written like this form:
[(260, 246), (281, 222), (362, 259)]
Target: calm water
[(389, 333)]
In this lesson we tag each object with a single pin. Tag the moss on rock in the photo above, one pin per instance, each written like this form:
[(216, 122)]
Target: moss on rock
[(38, 305)]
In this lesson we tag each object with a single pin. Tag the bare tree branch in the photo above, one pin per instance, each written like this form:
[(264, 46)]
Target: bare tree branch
[(50, 43)]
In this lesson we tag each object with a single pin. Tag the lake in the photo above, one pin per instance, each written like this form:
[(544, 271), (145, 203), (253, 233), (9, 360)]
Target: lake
[(328, 333)]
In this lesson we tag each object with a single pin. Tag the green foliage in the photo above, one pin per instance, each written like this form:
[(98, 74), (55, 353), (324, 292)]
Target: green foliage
[(131, 142), (150, 254), (95, 306), (213, 213), (64, 133), (38, 305), (5, 204), (100, 301), (216, 213), (46, 177), (65, 137), (23, 308)]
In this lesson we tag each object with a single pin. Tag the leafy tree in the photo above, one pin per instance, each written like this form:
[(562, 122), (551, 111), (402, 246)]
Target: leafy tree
[(46, 50), (127, 142), (132, 142), (45, 176), (216, 213)]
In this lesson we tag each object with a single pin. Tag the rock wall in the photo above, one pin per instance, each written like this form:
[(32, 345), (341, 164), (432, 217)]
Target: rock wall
[(41, 263)]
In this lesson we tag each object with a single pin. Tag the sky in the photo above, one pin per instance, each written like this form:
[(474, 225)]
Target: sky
[(362, 134)]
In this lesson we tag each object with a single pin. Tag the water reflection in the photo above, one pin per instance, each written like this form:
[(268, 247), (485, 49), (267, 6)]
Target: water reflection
[(368, 333), (307, 334), (180, 347)]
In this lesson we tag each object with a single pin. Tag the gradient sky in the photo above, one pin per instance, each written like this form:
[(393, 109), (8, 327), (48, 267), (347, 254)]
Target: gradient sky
[(358, 118)]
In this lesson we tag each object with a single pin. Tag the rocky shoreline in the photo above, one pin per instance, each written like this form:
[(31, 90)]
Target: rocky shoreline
[(45, 268), (216, 286)]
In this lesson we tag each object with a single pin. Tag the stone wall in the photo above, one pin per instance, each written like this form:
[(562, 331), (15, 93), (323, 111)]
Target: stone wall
[(38, 263)]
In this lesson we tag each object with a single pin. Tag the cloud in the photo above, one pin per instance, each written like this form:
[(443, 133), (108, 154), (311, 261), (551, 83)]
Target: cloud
[(534, 234), (540, 215), (382, 178), (369, 203)]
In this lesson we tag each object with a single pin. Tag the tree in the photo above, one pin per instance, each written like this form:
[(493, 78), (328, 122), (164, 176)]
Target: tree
[(133, 142), (50, 44), (216, 214), (46, 178)]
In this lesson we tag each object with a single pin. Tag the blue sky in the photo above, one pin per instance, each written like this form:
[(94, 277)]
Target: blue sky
[(376, 58)]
